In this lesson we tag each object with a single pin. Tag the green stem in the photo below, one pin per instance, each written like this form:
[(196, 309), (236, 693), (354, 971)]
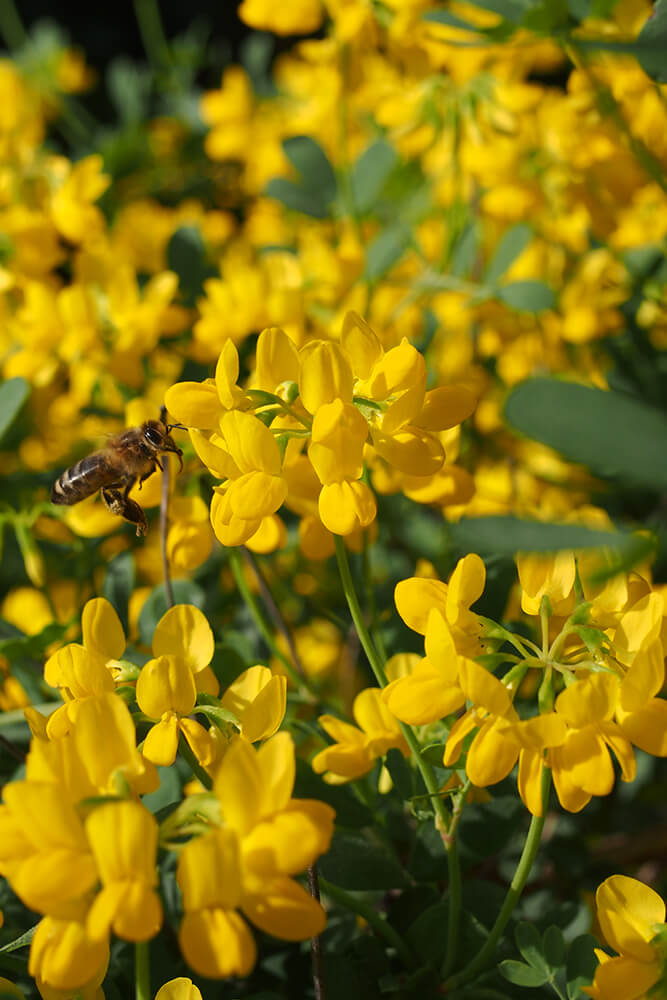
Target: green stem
[(262, 624), (453, 904), (194, 765), (11, 26), (370, 597), (142, 971), (379, 923), (442, 816), (147, 13), (523, 869)]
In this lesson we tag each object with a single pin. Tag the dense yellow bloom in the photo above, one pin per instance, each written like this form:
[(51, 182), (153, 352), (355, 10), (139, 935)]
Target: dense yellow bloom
[(338, 404)]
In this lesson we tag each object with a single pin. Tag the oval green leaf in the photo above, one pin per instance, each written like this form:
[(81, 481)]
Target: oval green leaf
[(616, 436), (13, 394), (527, 296)]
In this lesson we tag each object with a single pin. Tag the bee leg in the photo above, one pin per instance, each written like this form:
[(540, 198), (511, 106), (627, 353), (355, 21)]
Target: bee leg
[(119, 503), (143, 478)]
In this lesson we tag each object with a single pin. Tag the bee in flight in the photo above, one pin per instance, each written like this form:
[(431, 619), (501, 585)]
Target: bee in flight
[(128, 457)]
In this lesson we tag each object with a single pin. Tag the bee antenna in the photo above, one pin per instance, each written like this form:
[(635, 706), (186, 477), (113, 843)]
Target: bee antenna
[(180, 427)]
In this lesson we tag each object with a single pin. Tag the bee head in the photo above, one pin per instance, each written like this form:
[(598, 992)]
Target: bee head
[(158, 436)]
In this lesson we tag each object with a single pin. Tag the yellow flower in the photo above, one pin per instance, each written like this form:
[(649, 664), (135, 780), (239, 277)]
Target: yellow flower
[(258, 700), (64, 957), (267, 837), (166, 691), (299, 18), (189, 540), (71, 206), (550, 576), (356, 748), (179, 989), (45, 853), (632, 919), (123, 839), (582, 765)]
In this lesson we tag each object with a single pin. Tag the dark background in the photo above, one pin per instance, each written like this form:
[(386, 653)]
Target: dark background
[(109, 30)]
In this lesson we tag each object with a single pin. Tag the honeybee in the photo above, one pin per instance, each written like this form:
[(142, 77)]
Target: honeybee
[(128, 457)]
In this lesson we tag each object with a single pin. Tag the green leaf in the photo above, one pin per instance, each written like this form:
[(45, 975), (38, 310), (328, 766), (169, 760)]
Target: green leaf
[(168, 793), (13, 394), (32, 646), (186, 255), (513, 11), (355, 861), (370, 174), (221, 717), (316, 189), (614, 435), (428, 934), (527, 296), (401, 773), (387, 248), (553, 946), (522, 975), (486, 826), (427, 861), (529, 943), (129, 87), (651, 45), (296, 198), (256, 53), (312, 163), (581, 964), (509, 535), (442, 16), (119, 583), (513, 243), (155, 606)]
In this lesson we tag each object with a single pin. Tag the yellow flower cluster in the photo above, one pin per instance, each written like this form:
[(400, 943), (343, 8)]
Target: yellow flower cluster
[(320, 415), (80, 847), (601, 660)]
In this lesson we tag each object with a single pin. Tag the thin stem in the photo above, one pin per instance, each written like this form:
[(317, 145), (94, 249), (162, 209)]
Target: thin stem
[(16, 752), (370, 597), (273, 610), (142, 971), (194, 765), (442, 816), (454, 889), (454, 893), (523, 869), (263, 627), (11, 26), (379, 923), (164, 509), (544, 622), (316, 942), (147, 13)]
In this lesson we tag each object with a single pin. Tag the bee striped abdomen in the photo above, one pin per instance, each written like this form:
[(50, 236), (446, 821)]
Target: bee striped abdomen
[(84, 479)]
